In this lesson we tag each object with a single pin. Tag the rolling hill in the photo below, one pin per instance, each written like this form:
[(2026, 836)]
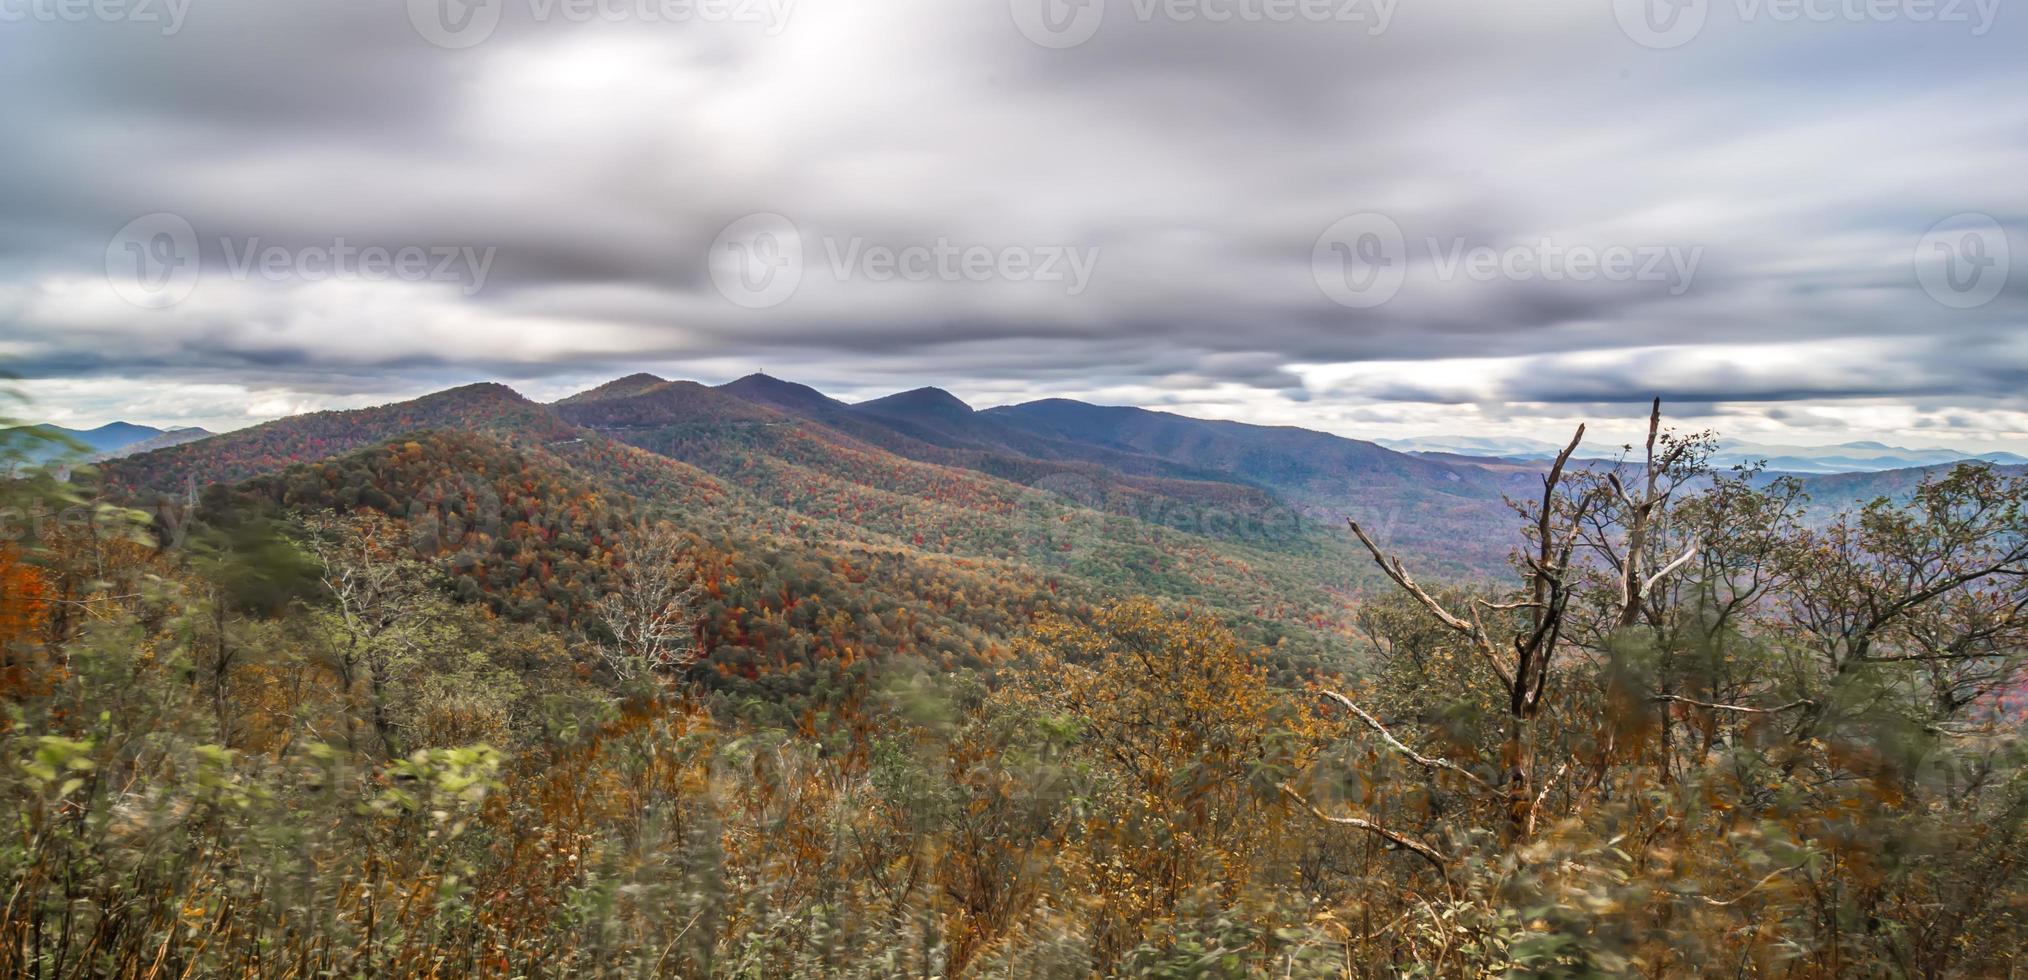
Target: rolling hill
[(266, 448), (163, 440), (912, 525), (820, 488), (1450, 514)]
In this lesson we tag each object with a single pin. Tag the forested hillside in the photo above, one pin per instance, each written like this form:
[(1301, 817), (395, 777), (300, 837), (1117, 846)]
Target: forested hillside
[(534, 489), (1449, 514), (305, 438), (523, 534), (663, 680)]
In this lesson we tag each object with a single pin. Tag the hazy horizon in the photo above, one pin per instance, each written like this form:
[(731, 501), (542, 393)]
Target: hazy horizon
[(1603, 433)]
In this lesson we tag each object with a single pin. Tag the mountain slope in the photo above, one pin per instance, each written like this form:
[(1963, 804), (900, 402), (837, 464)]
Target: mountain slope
[(1440, 510), (933, 426), (917, 423), (266, 448), (1492, 446), (172, 437), (626, 387), (633, 403), (1234, 547), (932, 406), (750, 478), (1280, 456), (1838, 492), (787, 396), (534, 534)]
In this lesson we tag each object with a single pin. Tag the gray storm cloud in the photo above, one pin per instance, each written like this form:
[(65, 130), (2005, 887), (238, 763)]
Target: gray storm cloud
[(1199, 161)]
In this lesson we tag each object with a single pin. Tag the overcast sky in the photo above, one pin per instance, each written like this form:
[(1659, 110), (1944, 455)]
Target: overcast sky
[(1376, 217)]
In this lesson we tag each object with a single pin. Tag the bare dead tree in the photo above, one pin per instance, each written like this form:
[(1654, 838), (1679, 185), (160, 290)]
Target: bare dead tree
[(1559, 522), (1522, 663), (650, 610), (381, 600), (1626, 540), (1635, 580)]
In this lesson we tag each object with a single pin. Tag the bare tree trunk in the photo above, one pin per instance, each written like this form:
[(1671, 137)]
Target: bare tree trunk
[(221, 671), (383, 726), (347, 681), (1515, 755)]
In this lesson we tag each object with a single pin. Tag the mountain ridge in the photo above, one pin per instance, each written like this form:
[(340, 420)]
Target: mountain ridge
[(924, 456), (1848, 457), (59, 442)]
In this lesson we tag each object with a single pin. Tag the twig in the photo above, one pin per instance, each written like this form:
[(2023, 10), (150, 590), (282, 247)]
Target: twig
[(1399, 574), (1421, 849), (1656, 578), (1397, 745), (1772, 875), (1742, 709)]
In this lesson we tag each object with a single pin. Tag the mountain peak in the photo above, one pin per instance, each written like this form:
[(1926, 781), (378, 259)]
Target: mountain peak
[(918, 401), (117, 428), (664, 403), (626, 387), (766, 389), (172, 436), (481, 392)]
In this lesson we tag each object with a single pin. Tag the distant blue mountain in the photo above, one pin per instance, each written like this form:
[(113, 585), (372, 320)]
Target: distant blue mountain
[(44, 443), (1866, 456)]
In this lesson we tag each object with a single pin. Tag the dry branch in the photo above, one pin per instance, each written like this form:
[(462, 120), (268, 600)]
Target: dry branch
[(1423, 850), (1740, 708), (1397, 745)]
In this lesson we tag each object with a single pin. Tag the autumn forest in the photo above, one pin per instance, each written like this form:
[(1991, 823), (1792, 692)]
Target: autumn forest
[(670, 680)]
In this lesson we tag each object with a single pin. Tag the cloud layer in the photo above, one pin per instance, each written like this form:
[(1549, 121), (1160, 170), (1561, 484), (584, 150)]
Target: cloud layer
[(1781, 173)]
